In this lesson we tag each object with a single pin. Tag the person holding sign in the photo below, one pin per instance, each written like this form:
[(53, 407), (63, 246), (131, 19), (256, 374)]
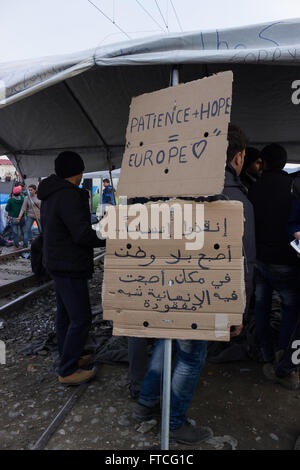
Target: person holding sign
[(235, 191), (191, 354)]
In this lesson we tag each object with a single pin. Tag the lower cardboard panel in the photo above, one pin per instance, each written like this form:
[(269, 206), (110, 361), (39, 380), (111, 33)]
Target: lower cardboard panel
[(180, 325), (204, 335)]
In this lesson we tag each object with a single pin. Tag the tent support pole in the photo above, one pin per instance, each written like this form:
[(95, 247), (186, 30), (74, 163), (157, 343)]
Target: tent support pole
[(108, 155), (93, 126)]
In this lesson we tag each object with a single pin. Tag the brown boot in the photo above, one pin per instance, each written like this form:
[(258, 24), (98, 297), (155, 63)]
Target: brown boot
[(79, 377), (84, 360)]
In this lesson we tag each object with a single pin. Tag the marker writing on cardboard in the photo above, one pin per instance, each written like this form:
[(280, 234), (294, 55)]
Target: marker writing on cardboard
[(150, 121)]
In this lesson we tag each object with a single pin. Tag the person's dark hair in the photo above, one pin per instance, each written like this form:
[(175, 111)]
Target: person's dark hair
[(33, 186), (106, 180), (252, 154), (237, 141), (275, 156)]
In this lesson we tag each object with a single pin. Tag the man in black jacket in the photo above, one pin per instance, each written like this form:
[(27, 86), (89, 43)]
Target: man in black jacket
[(277, 264), (234, 190), (68, 242)]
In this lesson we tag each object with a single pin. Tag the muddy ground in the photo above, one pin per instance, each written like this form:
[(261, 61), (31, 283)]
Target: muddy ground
[(243, 410)]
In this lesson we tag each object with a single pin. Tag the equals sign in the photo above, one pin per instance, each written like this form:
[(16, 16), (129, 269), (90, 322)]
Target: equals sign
[(173, 138)]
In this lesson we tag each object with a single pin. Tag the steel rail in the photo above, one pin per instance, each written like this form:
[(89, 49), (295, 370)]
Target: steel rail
[(59, 418), (12, 255), (22, 299), (27, 281)]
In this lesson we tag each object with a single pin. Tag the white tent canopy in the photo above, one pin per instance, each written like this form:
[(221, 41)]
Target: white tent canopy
[(81, 101)]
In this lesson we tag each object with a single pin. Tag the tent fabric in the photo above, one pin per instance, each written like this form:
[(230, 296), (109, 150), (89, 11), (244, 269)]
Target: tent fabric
[(81, 101)]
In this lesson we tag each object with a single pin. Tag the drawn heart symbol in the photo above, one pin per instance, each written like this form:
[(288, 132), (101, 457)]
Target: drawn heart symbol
[(199, 147)]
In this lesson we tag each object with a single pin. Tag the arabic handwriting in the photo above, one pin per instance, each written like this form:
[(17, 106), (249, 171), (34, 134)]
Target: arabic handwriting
[(152, 257), (219, 284), (179, 258), (139, 254), (233, 297)]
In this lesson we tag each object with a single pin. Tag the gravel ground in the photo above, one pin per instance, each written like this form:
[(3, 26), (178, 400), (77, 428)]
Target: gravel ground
[(242, 409)]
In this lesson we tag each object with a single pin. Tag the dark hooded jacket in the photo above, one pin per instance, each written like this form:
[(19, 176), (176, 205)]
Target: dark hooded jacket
[(271, 199), (235, 191), (68, 238)]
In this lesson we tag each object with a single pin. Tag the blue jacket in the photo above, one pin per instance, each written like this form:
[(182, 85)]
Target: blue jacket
[(108, 195)]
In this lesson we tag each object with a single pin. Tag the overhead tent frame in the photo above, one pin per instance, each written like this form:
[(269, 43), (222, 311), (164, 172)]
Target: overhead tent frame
[(81, 101)]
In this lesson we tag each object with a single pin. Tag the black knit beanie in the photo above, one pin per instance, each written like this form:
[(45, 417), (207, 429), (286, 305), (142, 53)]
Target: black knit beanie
[(68, 164)]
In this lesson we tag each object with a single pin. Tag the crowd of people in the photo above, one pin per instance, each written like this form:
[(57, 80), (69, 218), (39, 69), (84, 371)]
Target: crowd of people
[(23, 209), (271, 201)]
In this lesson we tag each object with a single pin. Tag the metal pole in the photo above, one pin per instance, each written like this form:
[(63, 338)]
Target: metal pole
[(167, 366), (165, 419)]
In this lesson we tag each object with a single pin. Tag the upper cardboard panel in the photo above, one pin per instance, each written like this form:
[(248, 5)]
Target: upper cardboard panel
[(176, 140)]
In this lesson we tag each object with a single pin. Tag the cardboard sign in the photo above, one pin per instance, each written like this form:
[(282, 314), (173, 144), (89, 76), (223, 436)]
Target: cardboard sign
[(176, 140), (157, 288)]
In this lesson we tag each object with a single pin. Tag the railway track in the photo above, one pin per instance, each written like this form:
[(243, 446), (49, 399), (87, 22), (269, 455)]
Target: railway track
[(25, 283), (60, 417), (12, 255), (16, 304)]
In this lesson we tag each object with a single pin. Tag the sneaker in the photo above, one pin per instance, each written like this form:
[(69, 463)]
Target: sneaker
[(290, 382), (84, 360), (145, 413), (189, 435), (77, 378)]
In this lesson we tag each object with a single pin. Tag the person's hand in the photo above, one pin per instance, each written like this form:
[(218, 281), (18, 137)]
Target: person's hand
[(18, 219), (235, 330)]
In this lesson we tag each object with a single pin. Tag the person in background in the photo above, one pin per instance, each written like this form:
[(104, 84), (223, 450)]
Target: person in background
[(191, 354), (108, 193), (13, 208), (252, 168), (286, 370), (68, 242), (32, 207), (23, 191), (277, 265)]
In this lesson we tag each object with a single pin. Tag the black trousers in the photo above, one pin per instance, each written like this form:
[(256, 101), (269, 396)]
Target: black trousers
[(73, 321), (138, 362)]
